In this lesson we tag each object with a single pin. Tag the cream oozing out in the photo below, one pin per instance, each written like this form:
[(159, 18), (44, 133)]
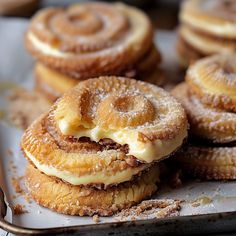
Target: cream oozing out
[(147, 151)]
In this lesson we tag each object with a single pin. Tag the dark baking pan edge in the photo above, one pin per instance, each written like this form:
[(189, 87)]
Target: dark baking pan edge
[(181, 225)]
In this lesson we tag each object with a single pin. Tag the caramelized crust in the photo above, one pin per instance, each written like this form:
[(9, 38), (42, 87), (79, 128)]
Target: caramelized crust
[(206, 122), (86, 201), (213, 81), (92, 39), (218, 163)]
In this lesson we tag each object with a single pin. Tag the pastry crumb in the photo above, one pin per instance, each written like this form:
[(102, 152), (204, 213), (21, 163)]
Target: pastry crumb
[(16, 184), (25, 106), (96, 219), (19, 209), (149, 209), (9, 152)]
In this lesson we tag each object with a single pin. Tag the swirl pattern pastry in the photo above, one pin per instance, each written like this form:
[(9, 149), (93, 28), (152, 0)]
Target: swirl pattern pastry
[(207, 123), (90, 39), (216, 17), (52, 83), (106, 131), (79, 200), (213, 80), (217, 163), (207, 27)]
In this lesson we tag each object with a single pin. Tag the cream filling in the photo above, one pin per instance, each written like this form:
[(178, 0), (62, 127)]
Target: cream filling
[(96, 178), (144, 151), (46, 48), (206, 45), (225, 29)]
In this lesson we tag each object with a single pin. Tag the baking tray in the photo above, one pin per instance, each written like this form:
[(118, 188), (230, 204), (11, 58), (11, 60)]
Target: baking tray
[(217, 216)]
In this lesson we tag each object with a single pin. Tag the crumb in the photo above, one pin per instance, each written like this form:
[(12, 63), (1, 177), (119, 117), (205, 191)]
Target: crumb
[(19, 209), (26, 106), (16, 184), (96, 219), (9, 152), (151, 209), (175, 179)]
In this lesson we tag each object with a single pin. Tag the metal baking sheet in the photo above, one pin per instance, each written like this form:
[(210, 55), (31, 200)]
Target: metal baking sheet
[(217, 215)]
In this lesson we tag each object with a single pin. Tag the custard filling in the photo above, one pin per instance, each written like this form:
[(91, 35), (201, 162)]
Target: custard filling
[(96, 178), (145, 151)]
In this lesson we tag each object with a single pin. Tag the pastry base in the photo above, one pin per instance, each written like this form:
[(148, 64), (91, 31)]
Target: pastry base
[(67, 199)]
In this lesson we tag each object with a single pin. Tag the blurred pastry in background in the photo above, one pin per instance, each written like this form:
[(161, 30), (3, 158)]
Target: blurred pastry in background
[(93, 39), (18, 8), (206, 27), (208, 96)]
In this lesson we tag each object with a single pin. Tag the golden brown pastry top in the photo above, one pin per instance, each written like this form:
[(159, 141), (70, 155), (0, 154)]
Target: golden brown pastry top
[(213, 80), (125, 110), (217, 17), (94, 37)]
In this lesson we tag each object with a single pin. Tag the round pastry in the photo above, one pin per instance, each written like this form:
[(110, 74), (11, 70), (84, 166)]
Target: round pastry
[(207, 27), (186, 53), (217, 163), (213, 81), (79, 200), (206, 44), (215, 17), (105, 131), (207, 123), (90, 39), (51, 83)]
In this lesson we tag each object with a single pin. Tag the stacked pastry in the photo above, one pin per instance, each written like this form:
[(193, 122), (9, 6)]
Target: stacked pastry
[(95, 152), (209, 97), (88, 40), (207, 27)]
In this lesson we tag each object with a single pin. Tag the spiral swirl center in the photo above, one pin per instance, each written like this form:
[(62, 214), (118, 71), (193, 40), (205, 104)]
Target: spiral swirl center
[(126, 110)]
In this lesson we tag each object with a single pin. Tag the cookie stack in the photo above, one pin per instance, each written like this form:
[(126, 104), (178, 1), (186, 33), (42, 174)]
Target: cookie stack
[(89, 40), (207, 27), (96, 151), (209, 97)]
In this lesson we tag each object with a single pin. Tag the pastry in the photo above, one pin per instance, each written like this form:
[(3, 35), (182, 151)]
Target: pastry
[(208, 96), (102, 133), (92, 39), (213, 81), (51, 83), (81, 200), (207, 27), (127, 124), (213, 124), (207, 162)]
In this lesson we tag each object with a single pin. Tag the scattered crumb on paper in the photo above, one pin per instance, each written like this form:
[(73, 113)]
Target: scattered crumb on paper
[(19, 209), (151, 209), (25, 106), (96, 219)]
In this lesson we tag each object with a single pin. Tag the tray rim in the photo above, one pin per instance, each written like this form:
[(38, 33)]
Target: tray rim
[(212, 218)]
